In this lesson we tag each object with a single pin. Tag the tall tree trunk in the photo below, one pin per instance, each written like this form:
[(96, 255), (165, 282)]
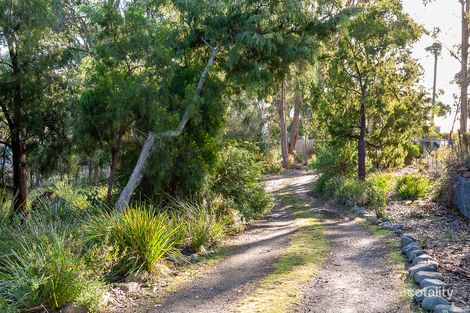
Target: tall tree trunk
[(295, 125), (112, 169), (361, 144), (138, 172), (20, 179), (90, 171), (434, 85), (282, 121), (464, 70)]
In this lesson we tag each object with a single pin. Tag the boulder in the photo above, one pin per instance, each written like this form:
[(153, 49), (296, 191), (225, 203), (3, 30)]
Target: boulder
[(419, 276), (406, 239), (416, 253), (429, 303), (427, 267), (430, 291), (461, 194), (410, 247), (424, 258), (73, 308), (433, 282)]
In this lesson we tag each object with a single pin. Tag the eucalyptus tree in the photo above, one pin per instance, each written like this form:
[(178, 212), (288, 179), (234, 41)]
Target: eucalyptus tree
[(32, 94), (370, 93), (246, 43)]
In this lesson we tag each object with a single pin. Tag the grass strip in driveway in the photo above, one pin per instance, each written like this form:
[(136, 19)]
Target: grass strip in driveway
[(281, 291)]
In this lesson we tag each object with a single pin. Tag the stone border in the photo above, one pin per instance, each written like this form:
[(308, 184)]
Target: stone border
[(434, 293)]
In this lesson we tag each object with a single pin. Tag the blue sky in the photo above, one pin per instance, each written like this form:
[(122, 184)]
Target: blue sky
[(444, 14)]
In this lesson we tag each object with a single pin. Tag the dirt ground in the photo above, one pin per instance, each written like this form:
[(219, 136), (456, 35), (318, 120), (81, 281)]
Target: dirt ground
[(445, 234), (357, 275)]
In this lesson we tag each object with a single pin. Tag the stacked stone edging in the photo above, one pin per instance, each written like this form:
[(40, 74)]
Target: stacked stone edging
[(433, 295)]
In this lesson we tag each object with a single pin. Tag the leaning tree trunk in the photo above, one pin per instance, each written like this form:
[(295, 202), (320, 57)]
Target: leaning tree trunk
[(20, 179), (361, 144), (282, 122), (138, 172), (294, 135)]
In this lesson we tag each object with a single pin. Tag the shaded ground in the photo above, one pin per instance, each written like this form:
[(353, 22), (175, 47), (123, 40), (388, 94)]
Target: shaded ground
[(357, 275), (445, 233), (253, 253)]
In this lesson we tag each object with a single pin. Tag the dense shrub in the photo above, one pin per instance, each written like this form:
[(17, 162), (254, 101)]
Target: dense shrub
[(335, 160), (412, 187), (44, 267), (238, 178), (201, 227), (141, 234), (373, 192)]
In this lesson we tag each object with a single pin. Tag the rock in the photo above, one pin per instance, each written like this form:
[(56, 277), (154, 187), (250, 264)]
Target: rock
[(194, 257), (358, 210), (419, 276), (445, 308), (406, 239), (390, 226), (424, 258), (73, 308), (129, 287), (430, 291), (410, 247), (429, 303), (433, 282), (461, 194), (427, 267), (416, 253), (139, 277)]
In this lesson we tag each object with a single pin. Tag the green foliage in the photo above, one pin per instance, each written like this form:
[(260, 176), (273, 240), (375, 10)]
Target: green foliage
[(367, 66), (141, 234), (412, 187), (337, 159), (44, 267), (380, 186), (374, 192), (238, 177), (201, 226)]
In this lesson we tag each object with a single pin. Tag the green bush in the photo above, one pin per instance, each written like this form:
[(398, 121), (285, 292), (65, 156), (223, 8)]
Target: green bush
[(201, 226), (335, 160), (374, 192), (238, 177), (142, 235), (412, 187), (45, 267)]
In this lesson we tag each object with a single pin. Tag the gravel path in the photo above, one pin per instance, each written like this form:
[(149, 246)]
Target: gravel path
[(356, 276), (220, 288)]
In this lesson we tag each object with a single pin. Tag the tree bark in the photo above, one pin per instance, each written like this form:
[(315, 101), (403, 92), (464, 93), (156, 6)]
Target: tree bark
[(464, 70), (361, 144), (282, 122), (112, 169), (20, 179), (138, 172), (295, 125)]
